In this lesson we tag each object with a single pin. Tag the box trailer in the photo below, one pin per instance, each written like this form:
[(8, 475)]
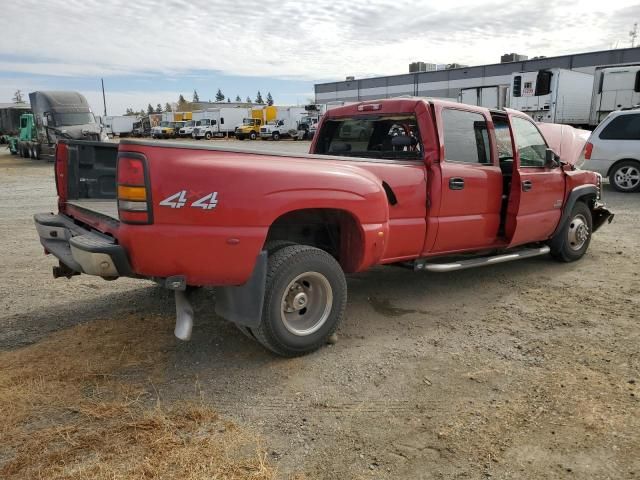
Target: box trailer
[(553, 95), (614, 88), (495, 96), (217, 122), (121, 125), (285, 124)]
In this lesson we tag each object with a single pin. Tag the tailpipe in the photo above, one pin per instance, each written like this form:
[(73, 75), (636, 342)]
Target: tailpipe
[(184, 316)]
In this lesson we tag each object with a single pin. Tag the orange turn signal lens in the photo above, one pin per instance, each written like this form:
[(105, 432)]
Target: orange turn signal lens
[(132, 193)]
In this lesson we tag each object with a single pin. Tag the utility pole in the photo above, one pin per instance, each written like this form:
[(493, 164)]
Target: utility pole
[(634, 34), (104, 100)]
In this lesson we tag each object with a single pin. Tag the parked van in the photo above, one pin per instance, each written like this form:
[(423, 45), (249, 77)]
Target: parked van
[(613, 150)]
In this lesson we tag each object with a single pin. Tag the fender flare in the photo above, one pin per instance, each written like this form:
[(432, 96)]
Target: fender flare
[(574, 196)]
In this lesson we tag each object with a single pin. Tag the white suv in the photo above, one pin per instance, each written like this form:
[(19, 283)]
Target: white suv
[(613, 150)]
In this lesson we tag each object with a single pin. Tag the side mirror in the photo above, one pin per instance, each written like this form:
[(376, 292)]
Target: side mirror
[(552, 160)]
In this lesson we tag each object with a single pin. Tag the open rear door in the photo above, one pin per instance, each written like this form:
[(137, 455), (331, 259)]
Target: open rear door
[(537, 190)]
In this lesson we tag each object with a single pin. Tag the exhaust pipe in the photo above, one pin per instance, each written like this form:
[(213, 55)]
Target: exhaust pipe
[(184, 316)]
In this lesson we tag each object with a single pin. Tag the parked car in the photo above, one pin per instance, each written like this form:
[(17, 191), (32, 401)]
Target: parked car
[(276, 233), (613, 150)]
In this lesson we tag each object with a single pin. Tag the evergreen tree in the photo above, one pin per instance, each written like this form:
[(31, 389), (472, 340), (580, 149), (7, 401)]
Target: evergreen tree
[(269, 99), (150, 109), (238, 99), (248, 100), (259, 99), (220, 96), (196, 98), (229, 100), (167, 107), (182, 103), (158, 108)]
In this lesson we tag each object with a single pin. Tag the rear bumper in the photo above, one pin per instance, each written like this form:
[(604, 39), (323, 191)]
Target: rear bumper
[(80, 249)]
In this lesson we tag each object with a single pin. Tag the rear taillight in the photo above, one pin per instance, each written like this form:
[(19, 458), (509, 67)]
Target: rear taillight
[(588, 149), (60, 169), (134, 197)]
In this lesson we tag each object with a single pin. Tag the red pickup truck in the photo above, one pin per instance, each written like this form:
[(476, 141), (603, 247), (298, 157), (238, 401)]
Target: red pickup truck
[(427, 184)]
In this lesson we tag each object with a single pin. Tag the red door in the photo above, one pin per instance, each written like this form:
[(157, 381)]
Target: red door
[(537, 189)]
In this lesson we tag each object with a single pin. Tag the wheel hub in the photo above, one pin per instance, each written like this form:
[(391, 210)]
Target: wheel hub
[(306, 303), (578, 232)]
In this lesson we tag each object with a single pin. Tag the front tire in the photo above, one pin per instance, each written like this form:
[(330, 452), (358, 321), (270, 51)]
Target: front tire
[(275, 136), (572, 242), (304, 302), (253, 135), (625, 177), (207, 136)]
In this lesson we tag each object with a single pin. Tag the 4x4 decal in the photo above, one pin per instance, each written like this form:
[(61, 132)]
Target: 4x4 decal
[(179, 200)]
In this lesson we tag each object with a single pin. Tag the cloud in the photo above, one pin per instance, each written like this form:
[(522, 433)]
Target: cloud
[(319, 40)]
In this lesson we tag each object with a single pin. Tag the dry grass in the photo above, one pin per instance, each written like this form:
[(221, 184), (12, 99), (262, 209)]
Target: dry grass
[(71, 409)]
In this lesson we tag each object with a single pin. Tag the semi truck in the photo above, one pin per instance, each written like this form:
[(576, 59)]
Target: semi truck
[(495, 96), (614, 88), (429, 189), (554, 95), (56, 115)]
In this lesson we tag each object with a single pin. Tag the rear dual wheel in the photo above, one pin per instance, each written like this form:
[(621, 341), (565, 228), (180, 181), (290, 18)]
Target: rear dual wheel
[(304, 301)]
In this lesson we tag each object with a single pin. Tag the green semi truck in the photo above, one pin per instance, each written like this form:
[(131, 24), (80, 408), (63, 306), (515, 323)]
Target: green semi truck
[(56, 115)]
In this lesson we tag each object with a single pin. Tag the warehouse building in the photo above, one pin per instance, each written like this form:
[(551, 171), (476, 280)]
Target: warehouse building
[(448, 83)]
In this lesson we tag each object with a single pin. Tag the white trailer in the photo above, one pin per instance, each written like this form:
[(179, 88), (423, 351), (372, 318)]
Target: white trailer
[(554, 95), (614, 88), (496, 96), (121, 125)]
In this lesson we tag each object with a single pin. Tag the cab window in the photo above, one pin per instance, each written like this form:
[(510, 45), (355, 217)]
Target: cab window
[(531, 146), (466, 137)]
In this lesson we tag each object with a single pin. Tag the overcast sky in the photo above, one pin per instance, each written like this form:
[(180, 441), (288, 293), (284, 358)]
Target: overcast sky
[(151, 51)]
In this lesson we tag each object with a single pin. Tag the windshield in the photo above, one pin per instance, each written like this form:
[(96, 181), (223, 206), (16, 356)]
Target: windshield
[(391, 136), (165, 124), (249, 121), (190, 123), (68, 119)]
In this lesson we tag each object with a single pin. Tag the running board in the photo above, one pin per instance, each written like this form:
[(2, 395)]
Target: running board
[(480, 262)]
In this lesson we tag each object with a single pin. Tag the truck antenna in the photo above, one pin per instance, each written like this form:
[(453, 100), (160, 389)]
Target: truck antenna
[(104, 100)]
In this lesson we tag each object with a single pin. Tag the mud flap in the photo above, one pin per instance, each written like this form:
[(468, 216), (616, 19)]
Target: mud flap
[(600, 215), (243, 304)]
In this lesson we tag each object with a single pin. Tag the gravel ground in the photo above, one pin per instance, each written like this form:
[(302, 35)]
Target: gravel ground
[(523, 370)]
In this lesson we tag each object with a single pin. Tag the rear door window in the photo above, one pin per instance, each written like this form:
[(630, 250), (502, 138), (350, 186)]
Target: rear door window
[(385, 136), (622, 127), (466, 138)]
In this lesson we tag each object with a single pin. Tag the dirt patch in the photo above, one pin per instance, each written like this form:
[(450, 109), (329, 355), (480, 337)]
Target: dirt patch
[(83, 404)]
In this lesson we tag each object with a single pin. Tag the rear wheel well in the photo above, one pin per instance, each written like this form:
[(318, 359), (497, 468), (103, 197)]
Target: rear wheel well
[(335, 231)]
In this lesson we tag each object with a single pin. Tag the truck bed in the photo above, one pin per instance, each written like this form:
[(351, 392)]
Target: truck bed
[(105, 207)]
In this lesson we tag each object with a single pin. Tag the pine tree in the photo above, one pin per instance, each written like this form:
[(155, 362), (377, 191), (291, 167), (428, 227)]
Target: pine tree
[(269, 99), (220, 96), (158, 108), (167, 107), (259, 99), (182, 103), (248, 100), (238, 99), (150, 109), (196, 98)]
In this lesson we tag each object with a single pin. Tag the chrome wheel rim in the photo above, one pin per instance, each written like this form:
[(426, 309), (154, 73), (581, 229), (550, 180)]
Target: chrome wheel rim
[(578, 233), (627, 177), (306, 303)]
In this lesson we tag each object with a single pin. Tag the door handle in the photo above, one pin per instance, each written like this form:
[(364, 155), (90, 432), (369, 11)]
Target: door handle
[(456, 183), (527, 185)]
